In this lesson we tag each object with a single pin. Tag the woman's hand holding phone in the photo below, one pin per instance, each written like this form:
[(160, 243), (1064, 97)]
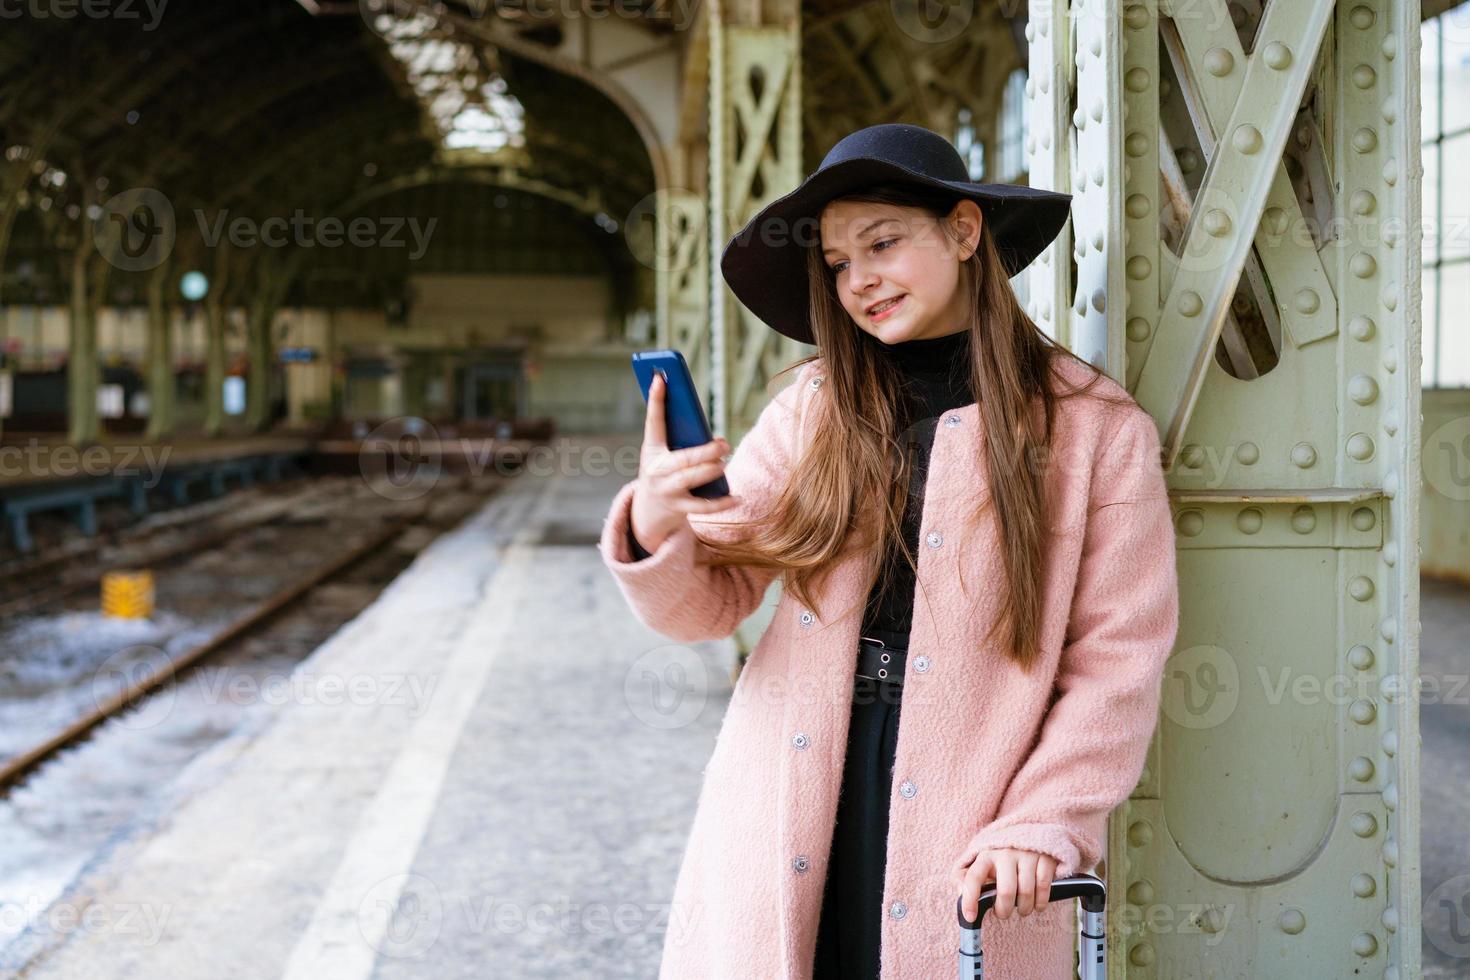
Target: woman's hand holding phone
[(661, 500)]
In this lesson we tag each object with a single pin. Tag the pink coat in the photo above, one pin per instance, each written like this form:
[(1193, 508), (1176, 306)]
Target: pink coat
[(999, 757)]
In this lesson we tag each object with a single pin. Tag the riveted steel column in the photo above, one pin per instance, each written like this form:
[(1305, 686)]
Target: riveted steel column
[(1247, 262), (755, 157), (1048, 149)]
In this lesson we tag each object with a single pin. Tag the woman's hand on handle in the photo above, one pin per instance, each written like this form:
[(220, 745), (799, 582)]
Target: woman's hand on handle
[(1022, 880), (662, 500)]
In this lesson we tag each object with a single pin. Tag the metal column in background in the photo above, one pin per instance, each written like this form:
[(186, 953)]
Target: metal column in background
[(755, 157), (1247, 253)]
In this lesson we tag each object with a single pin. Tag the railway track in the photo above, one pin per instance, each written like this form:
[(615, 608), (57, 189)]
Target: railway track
[(436, 513)]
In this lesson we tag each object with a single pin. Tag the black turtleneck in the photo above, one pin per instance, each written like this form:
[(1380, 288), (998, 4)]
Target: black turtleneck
[(936, 373)]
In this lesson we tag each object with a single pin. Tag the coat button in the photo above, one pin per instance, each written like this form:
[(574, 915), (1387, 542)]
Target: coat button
[(951, 420), (800, 740), (800, 864), (807, 618), (907, 790), (898, 910), (921, 663), (816, 383), (935, 539)]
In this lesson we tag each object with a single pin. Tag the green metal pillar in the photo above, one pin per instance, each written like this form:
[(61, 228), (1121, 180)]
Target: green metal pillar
[(1246, 260)]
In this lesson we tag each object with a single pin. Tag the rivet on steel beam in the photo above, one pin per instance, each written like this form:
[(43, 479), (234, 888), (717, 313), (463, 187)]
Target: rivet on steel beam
[(1249, 521), (1362, 711), (1292, 921), (1303, 455), (1247, 139), (1361, 657), (1277, 55)]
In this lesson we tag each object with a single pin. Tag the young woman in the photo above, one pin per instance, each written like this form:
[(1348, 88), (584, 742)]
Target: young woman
[(971, 524)]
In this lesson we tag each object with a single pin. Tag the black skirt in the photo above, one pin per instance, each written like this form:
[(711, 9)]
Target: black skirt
[(852, 903)]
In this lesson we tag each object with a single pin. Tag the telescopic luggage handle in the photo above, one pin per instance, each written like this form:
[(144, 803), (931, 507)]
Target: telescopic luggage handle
[(1091, 930)]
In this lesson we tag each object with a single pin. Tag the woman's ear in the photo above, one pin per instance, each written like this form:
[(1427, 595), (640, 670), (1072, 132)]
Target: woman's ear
[(966, 219)]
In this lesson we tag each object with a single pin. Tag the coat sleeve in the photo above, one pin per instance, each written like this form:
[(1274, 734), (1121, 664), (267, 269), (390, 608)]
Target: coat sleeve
[(672, 590), (1123, 621)]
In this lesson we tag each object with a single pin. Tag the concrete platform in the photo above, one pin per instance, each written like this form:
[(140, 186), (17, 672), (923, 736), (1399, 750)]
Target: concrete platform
[(506, 797)]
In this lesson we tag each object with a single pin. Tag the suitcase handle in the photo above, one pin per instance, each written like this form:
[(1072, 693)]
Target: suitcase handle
[(1091, 929)]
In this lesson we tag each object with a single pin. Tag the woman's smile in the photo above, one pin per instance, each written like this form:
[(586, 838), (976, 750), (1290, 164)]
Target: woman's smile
[(885, 309)]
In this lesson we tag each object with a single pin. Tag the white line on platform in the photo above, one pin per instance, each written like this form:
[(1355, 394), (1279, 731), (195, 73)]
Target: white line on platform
[(350, 925)]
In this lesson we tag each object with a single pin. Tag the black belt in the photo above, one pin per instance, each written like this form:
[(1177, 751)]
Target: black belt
[(880, 662)]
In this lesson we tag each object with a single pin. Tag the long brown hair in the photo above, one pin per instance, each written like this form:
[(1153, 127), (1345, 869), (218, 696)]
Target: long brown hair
[(856, 456)]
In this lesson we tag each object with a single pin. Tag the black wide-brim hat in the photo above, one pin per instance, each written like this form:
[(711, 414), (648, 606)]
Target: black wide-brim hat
[(764, 262)]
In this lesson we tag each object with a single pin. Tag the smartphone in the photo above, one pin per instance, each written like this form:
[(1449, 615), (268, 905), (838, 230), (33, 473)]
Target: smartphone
[(685, 423)]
